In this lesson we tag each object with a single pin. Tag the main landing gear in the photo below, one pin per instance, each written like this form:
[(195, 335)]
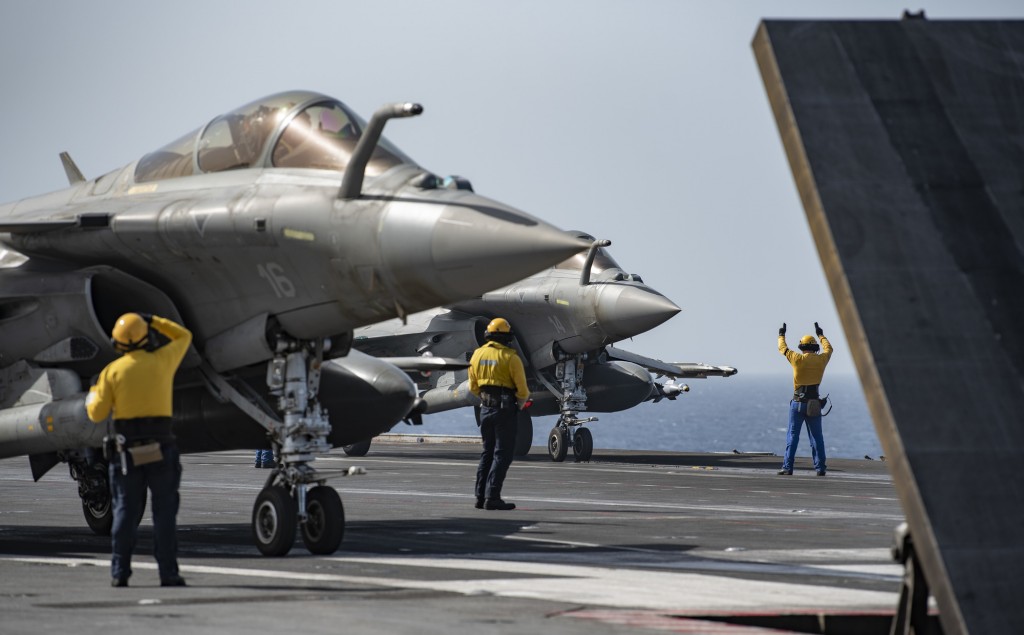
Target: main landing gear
[(573, 398), (94, 490), (90, 472)]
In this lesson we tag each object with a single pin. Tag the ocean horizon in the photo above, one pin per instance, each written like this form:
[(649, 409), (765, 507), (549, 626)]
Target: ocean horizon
[(743, 413)]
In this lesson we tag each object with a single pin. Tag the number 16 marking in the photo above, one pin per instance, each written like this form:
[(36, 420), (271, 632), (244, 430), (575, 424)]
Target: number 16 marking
[(274, 274)]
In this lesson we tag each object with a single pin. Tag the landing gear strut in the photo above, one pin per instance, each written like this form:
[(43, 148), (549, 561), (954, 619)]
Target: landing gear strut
[(572, 399), (295, 495)]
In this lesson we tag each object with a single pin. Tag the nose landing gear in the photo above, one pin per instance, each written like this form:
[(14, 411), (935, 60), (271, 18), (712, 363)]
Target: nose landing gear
[(295, 497), (573, 399)]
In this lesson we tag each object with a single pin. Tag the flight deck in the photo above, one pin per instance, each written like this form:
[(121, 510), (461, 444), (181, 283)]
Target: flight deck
[(632, 540)]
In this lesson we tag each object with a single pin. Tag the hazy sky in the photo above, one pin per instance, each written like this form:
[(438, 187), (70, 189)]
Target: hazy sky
[(644, 122)]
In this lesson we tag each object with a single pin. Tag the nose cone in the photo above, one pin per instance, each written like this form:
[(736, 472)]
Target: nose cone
[(437, 254), (624, 311)]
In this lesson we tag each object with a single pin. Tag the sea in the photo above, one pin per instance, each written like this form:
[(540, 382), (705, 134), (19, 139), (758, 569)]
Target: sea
[(743, 413)]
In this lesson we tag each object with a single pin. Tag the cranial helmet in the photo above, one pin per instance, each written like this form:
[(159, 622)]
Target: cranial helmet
[(808, 343), (130, 332), (499, 325)]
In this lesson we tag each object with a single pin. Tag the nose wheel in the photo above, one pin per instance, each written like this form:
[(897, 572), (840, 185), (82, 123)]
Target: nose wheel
[(275, 521), (325, 521), (274, 518), (558, 443), (582, 442)]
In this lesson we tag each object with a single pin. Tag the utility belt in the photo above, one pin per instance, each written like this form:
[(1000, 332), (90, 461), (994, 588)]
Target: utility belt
[(803, 393), (810, 396), (137, 441), (145, 429), (498, 397)]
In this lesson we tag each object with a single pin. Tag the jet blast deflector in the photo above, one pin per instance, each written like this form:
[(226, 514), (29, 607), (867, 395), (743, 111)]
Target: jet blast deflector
[(905, 140)]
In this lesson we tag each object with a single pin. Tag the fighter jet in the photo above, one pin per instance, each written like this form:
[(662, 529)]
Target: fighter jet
[(564, 320), (271, 232)]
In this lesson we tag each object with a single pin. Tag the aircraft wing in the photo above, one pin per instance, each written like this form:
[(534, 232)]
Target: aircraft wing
[(680, 370)]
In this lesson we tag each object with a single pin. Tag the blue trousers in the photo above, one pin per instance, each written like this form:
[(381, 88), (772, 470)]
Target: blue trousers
[(797, 418), (498, 430), (128, 495), (264, 457)]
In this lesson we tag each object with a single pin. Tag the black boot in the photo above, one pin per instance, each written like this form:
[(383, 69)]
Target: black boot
[(497, 503), (479, 503)]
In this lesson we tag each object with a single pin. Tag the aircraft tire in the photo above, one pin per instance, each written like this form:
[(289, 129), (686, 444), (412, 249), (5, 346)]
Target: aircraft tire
[(582, 444), (274, 518), (524, 433), (558, 445), (325, 521), (357, 449), (100, 517)]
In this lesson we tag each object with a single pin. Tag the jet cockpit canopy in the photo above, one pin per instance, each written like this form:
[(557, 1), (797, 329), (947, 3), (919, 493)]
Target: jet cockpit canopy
[(296, 129)]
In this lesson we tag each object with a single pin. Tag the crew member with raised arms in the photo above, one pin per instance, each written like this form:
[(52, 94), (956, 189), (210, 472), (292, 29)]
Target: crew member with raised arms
[(808, 370), (496, 375), (137, 388)]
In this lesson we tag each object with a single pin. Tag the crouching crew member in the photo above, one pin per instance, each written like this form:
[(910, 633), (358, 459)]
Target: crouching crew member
[(496, 375), (137, 388), (808, 369)]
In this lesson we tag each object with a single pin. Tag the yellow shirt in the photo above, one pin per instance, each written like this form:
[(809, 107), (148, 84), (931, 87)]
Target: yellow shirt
[(808, 368), (494, 364), (140, 383)]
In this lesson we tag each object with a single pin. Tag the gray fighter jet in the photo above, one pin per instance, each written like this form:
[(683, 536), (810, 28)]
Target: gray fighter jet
[(271, 232), (564, 321)]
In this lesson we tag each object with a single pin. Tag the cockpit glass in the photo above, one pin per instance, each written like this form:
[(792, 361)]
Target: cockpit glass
[(172, 161), (324, 136), (268, 132), (236, 140)]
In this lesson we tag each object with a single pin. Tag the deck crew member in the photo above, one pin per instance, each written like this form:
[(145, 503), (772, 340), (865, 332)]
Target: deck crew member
[(808, 369), (496, 375), (137, 388)]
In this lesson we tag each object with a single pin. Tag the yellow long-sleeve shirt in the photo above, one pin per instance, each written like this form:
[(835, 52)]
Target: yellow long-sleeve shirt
[(808, 368), (140, 383), (494, 364)]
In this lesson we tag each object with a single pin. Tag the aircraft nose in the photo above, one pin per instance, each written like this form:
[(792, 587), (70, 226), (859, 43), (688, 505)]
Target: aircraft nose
[(438, 254), (627, 311)]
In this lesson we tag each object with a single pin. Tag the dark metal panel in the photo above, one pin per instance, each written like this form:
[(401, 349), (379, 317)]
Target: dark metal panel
[(906, 140)]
